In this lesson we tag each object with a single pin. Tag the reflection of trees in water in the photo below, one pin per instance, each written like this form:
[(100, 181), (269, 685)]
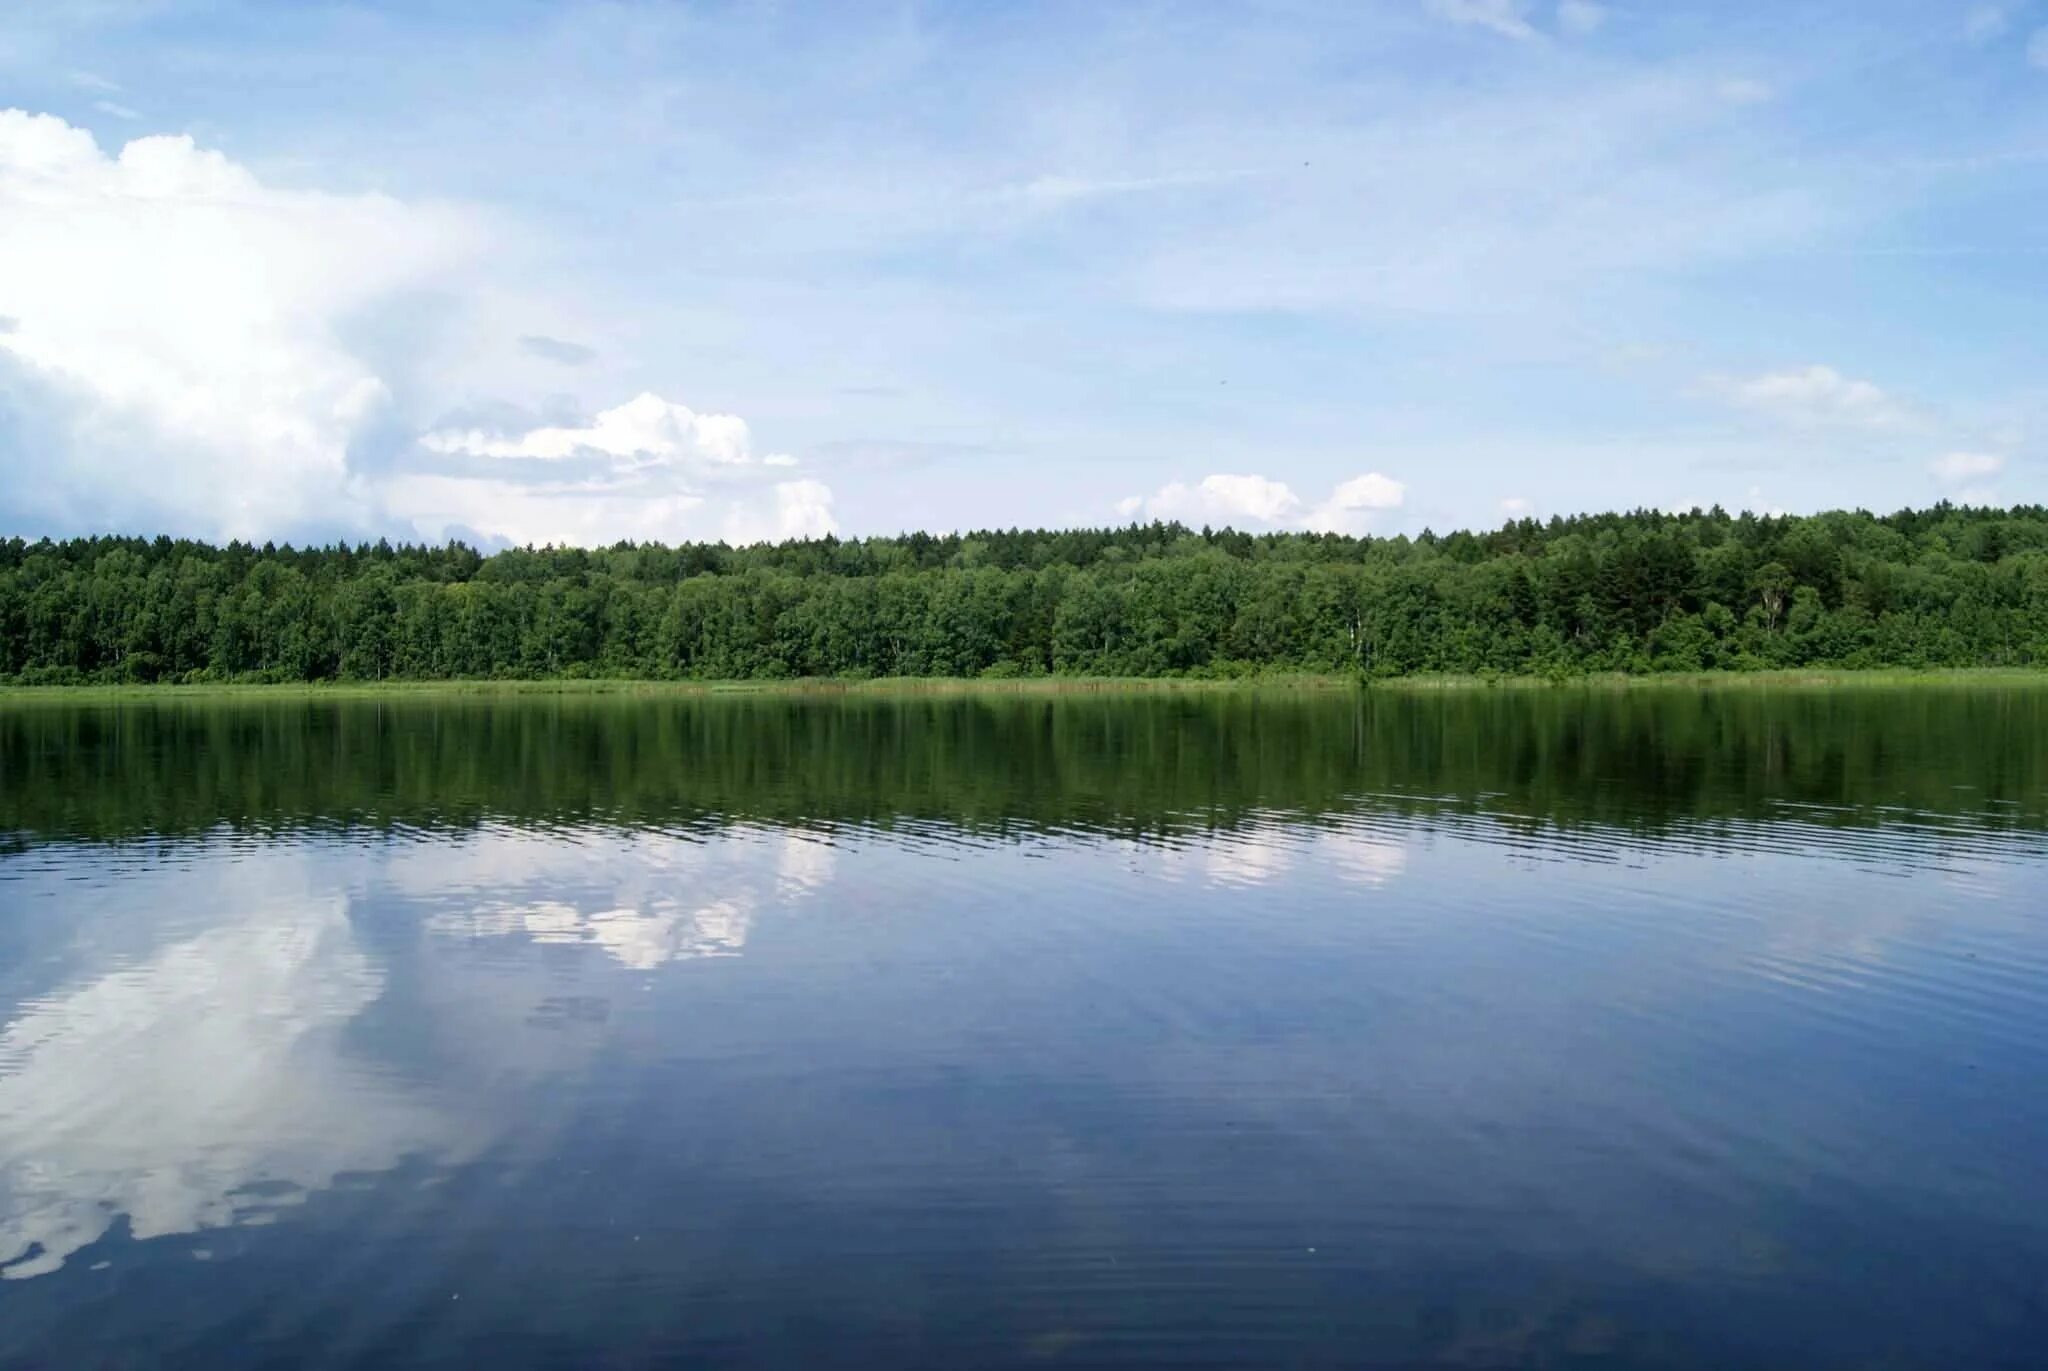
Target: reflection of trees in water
[(1640, 762)]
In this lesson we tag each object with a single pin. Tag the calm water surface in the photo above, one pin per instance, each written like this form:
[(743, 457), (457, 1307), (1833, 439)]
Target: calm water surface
[(1666, 1029)]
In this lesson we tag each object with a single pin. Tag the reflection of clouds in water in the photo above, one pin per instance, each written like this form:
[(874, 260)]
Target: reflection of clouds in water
[(662, 930), (1246, 859), (804, 865), (1256, 857), (1362, 860), (168, 1089), (632, 910), (203, 1083)]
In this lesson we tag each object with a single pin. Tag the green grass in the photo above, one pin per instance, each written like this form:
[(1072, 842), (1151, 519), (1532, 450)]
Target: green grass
[(1041, 685), (1828, 678)]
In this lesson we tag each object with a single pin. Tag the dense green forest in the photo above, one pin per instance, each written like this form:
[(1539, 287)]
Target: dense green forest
[(1640, 592)]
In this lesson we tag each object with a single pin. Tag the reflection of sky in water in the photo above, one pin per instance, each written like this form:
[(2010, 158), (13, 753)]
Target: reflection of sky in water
[(1433, 1047), (166, 1090), (208, 1080), (650, 901)]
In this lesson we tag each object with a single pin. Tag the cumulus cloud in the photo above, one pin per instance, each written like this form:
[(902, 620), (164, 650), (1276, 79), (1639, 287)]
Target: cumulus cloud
[(1235, 499), (189, 349), (803, 509), (1505, 17), (179, 320), (650, 469), (1355, 503), (1812, 396), (1222, 499), (646, 426)]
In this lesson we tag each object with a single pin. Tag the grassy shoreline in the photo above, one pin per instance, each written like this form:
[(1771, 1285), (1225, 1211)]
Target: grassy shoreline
[(1036, 685)]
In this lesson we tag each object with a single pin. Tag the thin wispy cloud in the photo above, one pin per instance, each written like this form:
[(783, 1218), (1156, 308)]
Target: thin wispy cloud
[(960, 271), (1957, 468), (1985, 22), (1508, 18), (1580, 16), (556, 349), (1965, 477), (1813, 396)]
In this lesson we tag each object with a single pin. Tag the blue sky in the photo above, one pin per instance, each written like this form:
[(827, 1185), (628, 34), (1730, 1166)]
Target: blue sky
[(578, 272)]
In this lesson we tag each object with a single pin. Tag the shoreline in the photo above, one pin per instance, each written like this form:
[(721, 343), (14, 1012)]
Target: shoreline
[(1810, 679)]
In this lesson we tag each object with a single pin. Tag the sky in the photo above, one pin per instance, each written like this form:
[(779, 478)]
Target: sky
[(523, 273)]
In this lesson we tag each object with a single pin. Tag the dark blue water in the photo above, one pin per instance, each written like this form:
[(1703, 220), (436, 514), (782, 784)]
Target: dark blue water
[(1701, 1046)]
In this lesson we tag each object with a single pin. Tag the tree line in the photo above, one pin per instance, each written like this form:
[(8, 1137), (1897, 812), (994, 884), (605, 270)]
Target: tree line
[(1633, 592)]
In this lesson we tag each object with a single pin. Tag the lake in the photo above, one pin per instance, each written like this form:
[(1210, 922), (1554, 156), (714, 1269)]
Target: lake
[(1658, 1028)]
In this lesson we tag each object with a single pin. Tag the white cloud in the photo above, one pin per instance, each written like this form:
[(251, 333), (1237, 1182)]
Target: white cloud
[(1355, 503), (1054, 192), (1956, 468), (803, 509), (1812, 396), (647, 470), (1517, 507), (181, 338), (1984, 23), (118, 111), (646, 426), (178, 317), (1580, 16), (2037, 50), (1505, 17), (1223, 499), (1235, 499)]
